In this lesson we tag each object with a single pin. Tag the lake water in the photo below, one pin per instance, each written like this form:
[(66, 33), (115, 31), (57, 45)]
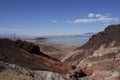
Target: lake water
[(69, 41)]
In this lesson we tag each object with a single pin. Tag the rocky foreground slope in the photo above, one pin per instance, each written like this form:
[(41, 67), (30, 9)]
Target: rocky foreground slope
[(28, 56), (15, 72), (101, 53), (26, 60)]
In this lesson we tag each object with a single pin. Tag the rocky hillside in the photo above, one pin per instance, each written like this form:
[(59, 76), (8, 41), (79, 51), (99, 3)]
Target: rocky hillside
[(101, 54), (109, 35), (108, 38), (28, 55)]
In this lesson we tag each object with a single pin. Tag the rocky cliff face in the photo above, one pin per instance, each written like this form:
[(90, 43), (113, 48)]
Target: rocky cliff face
[(101, 54)]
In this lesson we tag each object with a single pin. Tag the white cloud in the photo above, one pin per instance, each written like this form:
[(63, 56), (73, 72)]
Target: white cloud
[(98, 15), (10, 30), (97, 18), (91, 15), (107, 19), (84, 20)]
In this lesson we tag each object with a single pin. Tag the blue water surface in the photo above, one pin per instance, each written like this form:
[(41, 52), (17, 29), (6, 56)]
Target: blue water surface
[(69, 41)]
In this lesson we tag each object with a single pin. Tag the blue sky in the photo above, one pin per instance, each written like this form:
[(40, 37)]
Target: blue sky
[(57, 17)]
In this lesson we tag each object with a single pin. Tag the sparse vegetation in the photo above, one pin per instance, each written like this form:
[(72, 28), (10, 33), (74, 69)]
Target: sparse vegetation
[(12, 75)]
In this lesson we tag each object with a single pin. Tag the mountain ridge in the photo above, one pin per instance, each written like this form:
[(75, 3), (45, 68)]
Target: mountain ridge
[(101, 54)]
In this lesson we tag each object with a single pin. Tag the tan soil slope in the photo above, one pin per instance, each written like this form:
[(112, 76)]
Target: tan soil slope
[(57, 51)]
